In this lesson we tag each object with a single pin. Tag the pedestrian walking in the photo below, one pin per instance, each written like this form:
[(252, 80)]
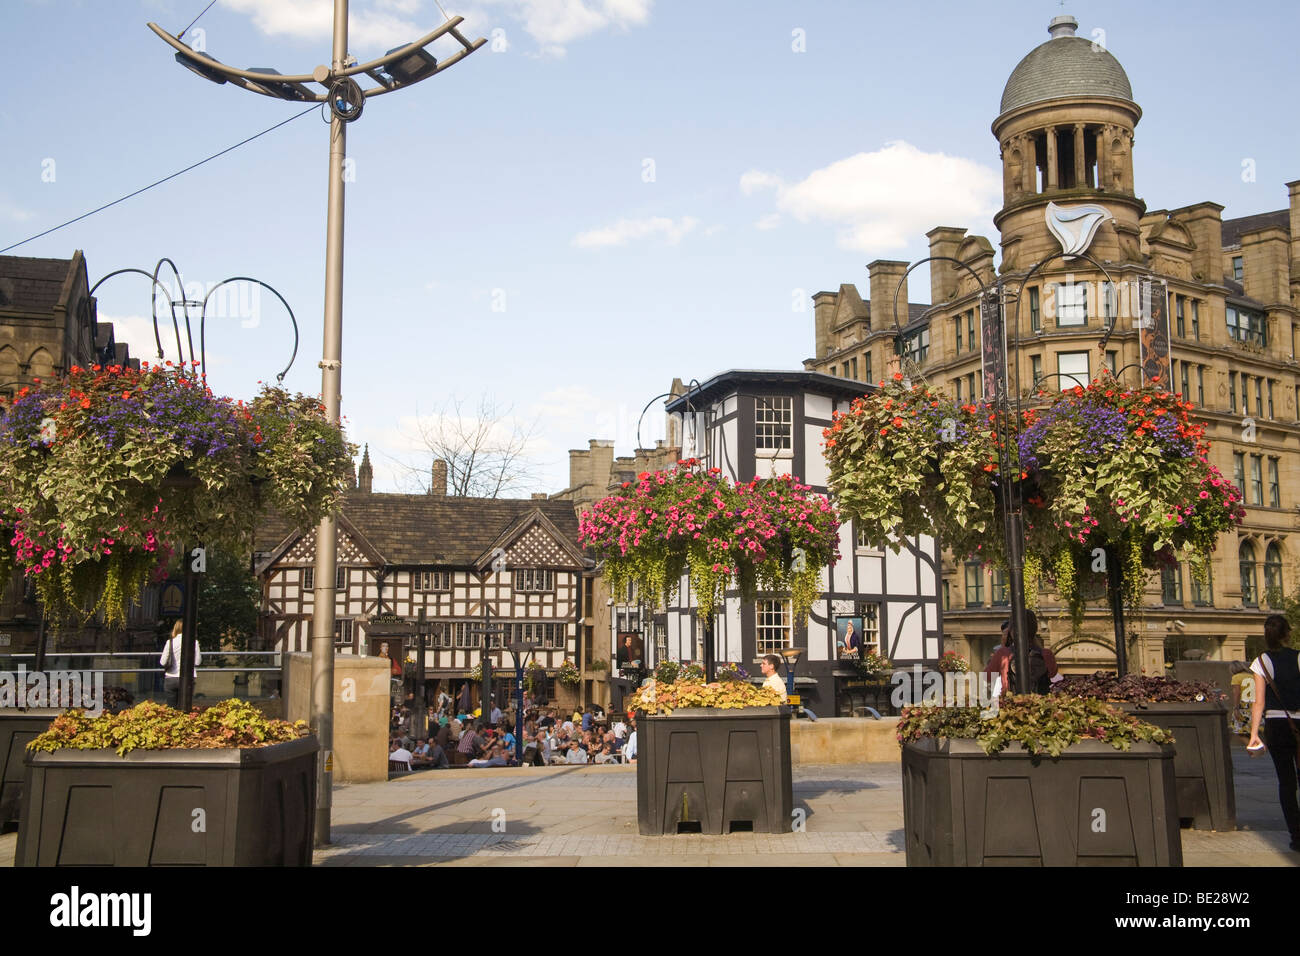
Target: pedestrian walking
[(1278, 709)]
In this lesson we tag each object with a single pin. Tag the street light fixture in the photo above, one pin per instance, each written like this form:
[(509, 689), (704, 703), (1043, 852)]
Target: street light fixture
[(345, 98), (791, 655), (520, 651)]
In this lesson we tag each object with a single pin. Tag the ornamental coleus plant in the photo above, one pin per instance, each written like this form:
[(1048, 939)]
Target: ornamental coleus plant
[(1104, 470), (108, 471), (769, 534)]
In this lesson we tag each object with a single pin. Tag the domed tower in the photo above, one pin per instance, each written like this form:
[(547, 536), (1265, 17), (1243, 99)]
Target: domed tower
[(1066, 133)]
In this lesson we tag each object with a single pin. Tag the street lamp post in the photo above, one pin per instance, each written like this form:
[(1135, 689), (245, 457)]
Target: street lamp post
[(397, 69), (1008, 414), (520, 651), (791, 655)]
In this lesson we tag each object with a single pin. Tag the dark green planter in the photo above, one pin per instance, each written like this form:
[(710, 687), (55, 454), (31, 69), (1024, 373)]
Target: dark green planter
[(962, 807), (94, 808), (1202, 762), (709, 770), (17, 729)]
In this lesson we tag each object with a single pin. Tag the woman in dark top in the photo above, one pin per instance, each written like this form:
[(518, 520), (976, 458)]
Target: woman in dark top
[(1279, 707)]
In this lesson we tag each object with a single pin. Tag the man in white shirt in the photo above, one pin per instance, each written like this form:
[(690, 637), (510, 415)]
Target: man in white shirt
[(770, 664), (495, 716), (170, 661)]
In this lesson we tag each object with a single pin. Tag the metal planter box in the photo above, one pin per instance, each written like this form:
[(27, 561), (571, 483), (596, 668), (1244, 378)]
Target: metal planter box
[(251, 807), (710, 770), (17, 729), (1092, 806), (1203, 761)]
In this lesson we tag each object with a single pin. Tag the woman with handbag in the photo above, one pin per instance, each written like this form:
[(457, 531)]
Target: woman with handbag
[(1279, 708)]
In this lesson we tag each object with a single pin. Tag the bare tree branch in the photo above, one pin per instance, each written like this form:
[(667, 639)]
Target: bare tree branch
[(486, 451)]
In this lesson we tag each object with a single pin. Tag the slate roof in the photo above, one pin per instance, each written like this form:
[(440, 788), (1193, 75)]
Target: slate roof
[(1065, 67), (432, 530), (1234, 229), (32, 285)]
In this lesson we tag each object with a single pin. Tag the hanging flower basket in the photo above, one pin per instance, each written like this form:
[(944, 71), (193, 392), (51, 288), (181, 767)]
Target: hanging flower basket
[(568, 674), (768, 535), (107, 472), (1103, 470)]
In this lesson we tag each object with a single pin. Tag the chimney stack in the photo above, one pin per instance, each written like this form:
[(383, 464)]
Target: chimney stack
[(944, 241), (438, 479), (885, 274)]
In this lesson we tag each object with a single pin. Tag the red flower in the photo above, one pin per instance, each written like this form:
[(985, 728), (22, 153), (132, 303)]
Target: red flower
[(898, 423), (898, 376)]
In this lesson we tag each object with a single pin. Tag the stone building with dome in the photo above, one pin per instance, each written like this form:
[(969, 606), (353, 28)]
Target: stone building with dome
[(1065, 133)]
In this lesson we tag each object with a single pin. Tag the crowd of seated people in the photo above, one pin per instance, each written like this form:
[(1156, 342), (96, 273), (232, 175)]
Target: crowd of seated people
[(549, 738)]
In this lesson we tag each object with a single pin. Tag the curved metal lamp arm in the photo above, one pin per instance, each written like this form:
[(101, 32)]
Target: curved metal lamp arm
[(185, 307), (203, 342), (294, 87), (920, 262), (152, 276)]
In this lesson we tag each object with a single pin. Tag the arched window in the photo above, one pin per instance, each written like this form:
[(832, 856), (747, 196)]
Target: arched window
[(1249, 588), (1273, 574)]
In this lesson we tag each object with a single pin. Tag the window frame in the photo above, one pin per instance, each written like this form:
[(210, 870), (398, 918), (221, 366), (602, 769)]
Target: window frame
[(1248, 568), (1062, 375), (974, 570), (525, 580), (773, 424), (1274, 484), (776, 611), (1203, 594), (1078, 306), (1272, 570), (1171, 585), (1257, 480), (1035, 310)]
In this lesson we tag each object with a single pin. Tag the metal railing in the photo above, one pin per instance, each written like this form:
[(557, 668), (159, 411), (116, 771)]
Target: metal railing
[(249, 675)]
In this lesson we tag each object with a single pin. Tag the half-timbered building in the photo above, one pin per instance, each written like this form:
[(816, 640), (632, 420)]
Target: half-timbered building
[(513, 564), (769, 423)]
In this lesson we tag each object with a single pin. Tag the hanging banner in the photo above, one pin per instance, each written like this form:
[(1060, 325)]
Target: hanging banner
[(993, 342), (1153, 332)]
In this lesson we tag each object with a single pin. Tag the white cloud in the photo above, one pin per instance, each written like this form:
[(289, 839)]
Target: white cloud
[(381, 24), (754, 180), (556, 23), (770, 221), (371, 27), (886, 199), (626, 230)]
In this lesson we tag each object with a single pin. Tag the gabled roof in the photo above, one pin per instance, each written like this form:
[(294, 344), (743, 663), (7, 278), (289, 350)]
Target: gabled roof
[(409, 530), (516, 530), (737, 380), (36, 285)]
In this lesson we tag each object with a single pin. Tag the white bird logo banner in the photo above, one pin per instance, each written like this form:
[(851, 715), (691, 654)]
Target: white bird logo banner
[(1075, 226)]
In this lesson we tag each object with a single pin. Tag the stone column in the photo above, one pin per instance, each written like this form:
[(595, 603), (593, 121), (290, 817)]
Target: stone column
[(1080, 174), (1050, 179), (1101, 157), (1030, 169)]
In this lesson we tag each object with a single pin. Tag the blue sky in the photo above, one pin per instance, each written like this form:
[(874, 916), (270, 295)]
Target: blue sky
[(627, 192)]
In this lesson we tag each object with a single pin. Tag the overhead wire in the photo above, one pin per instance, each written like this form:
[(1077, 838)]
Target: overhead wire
[(181, 172)]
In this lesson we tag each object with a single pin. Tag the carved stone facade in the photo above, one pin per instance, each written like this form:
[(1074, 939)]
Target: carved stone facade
[(1066, 135)]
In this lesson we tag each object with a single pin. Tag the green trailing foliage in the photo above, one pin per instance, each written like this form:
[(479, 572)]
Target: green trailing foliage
[(1043, 724)]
